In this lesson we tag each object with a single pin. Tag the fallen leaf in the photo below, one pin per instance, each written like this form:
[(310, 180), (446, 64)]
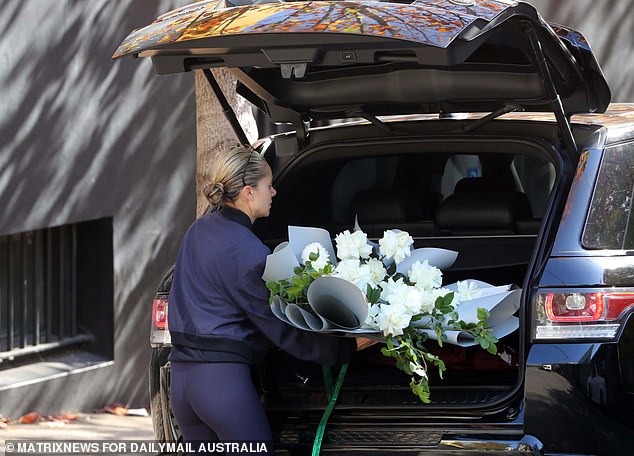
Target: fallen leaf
[(29, 418), (116, 410)]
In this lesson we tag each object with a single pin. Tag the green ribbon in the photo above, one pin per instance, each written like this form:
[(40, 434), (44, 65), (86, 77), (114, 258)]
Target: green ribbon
[(333, 393)]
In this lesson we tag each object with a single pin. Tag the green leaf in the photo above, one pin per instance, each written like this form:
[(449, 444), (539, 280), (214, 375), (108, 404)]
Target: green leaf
[(439, 335), (483, 314), (373, 294), (400, 275), (313, 256), (391, 269), (294, 292), (445, 309), (298, 270)]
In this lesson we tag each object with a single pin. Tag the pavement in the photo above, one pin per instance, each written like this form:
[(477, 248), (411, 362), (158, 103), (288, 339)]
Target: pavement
[(85, 426)]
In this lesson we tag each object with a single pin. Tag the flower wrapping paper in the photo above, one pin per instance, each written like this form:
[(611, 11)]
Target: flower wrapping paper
[(338, 305)]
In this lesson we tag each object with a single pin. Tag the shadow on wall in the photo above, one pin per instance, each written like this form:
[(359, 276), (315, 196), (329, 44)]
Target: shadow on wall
[(85, 137), (609, 28)]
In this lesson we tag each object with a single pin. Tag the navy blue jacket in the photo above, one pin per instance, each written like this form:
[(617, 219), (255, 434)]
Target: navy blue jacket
[(218, 304)]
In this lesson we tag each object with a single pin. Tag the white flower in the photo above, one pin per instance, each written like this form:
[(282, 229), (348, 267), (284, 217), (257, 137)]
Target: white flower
[(396, 244), (393, 319), (467, 290), (418, 369), (377, 270), (407, 297), (390, 287), (425, 277), (355, 272), (319, 249), (353, 245)]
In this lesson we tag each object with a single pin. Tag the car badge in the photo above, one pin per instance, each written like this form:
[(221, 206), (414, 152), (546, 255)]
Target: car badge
[(463, 2)]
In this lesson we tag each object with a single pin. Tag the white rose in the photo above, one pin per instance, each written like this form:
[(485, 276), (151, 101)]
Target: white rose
[(355, 272), (377, 270), (352, 245), (407, 297), (396, 244), (360, 240), (320, 250), (467, 290), (393, 319), (425, 277), (390, 287)]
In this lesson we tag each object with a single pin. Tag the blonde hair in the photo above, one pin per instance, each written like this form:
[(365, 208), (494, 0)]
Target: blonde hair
[(233, 169)]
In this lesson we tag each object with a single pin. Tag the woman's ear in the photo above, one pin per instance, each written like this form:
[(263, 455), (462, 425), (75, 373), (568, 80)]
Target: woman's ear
[(247, 192)]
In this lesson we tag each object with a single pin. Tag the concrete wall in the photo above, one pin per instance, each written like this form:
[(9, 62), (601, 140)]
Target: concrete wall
[(608, 25), (84, 137)]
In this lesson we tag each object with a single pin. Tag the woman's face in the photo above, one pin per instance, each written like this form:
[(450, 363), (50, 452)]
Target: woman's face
[(263, 194)]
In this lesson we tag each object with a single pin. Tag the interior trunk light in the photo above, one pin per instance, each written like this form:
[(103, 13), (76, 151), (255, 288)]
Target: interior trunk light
[(159, 313)]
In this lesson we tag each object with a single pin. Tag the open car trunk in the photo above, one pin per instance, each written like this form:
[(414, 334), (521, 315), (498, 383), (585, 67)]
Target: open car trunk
[(483, 189), (485, 197)]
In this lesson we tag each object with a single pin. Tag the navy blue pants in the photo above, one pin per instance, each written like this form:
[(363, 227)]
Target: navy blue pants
[(218, 401)]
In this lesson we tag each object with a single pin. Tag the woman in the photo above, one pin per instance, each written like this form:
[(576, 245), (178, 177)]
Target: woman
[(220, 321)]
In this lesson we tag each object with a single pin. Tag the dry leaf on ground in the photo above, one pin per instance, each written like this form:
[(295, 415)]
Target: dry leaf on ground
[(29, 418)]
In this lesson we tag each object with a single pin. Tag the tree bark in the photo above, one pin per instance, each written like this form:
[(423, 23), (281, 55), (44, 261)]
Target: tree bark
[(213, 132)]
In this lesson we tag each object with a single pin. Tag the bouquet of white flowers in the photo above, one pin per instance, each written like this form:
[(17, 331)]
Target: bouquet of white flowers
[(386, 291)]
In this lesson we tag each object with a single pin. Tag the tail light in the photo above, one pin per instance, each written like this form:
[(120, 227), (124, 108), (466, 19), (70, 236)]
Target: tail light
[(159, 334), (580, 314)]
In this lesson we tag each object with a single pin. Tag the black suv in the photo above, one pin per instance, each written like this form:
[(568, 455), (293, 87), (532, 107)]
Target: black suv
[(475, 126)]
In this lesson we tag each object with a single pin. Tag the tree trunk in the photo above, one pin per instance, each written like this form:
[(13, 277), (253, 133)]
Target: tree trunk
[(213, 131)]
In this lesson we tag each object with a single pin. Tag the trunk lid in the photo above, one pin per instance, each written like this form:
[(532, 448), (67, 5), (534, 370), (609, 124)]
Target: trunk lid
[(302, 61)]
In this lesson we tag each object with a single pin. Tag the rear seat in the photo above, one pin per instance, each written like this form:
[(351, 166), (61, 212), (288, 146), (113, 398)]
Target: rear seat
[(379, 210), (480, 206)]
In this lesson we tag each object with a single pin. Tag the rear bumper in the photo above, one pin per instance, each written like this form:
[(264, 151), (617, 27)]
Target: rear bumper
[(526, 446)]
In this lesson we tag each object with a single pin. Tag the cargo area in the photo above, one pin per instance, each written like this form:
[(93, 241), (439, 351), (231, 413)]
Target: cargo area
[(484, 199)]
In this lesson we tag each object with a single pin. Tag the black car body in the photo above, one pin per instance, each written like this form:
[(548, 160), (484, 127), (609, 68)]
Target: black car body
[(536, 193)]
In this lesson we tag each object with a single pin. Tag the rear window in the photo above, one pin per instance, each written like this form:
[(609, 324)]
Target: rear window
[(427, 194), (609, 224)]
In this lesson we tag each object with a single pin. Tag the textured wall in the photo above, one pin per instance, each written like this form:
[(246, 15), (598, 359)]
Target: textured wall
[(83, 137), (608, 25)]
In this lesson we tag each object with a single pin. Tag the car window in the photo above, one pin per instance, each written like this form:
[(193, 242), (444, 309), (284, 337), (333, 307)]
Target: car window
[(410, 191), (458, 167), (609, 224)]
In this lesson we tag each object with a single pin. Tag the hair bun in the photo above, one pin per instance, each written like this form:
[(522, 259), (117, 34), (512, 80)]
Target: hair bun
[(215, 193)]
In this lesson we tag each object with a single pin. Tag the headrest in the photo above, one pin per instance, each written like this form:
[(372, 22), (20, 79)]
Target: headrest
[(478, 184), (478, 205), (385, 205)]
